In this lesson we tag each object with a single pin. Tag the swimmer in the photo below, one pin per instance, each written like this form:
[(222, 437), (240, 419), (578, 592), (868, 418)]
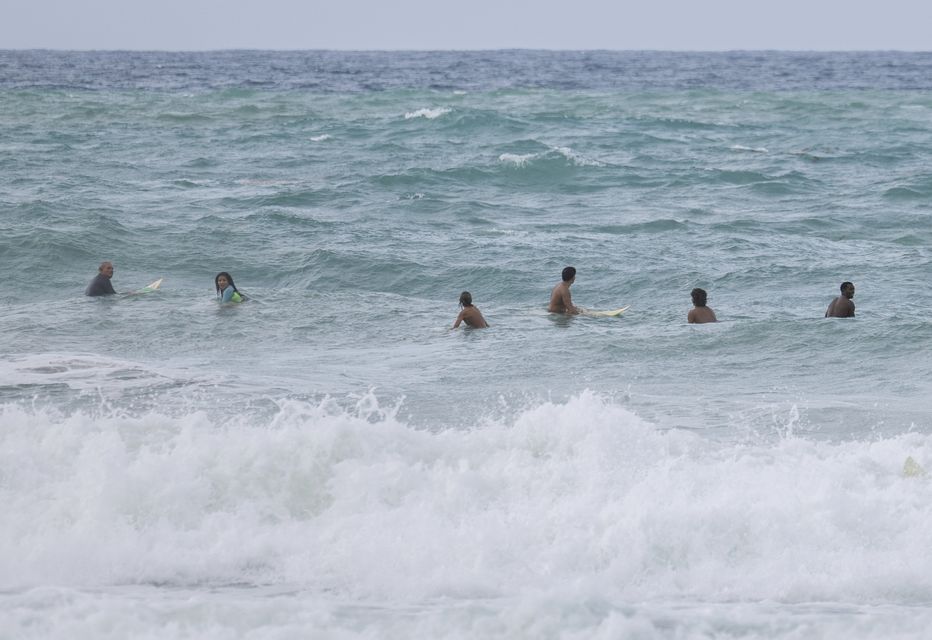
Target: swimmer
[(101, 285), (700, 314), (226, 290), (470, 314), (842, 306), (560, 299)]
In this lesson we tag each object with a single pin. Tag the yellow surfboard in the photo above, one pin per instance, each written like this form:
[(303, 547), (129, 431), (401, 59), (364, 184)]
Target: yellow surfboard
[(912, 469), (605, 314)]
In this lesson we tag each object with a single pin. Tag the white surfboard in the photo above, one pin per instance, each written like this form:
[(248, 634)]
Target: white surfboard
[(151, 287), (605, 314)]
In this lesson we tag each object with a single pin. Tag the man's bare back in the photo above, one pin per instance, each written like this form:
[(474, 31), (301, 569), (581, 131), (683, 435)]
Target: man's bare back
[(842, 306), (560, 299), (469, 314), (472, 317), (701, 315)]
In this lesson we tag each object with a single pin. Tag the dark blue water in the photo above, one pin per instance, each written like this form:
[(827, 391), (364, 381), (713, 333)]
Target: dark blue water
[(330, 71)]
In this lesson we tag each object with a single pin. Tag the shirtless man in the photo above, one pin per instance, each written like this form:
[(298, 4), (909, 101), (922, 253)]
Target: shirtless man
[(470, 314), (842, 306), (560, 299), (101, 285), (700, 313)]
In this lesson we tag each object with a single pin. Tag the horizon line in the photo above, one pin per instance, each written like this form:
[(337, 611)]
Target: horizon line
[(457, 50)]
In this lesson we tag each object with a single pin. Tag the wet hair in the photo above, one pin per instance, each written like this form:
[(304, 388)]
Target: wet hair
[(699, 296), (465, 299), (105, 263), (229, 279), (845, 284), (569, 273)]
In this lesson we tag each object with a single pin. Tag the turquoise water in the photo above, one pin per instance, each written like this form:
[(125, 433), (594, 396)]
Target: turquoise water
[(331, 456)]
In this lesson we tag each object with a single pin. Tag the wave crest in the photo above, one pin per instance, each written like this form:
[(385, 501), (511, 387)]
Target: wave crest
[(340, 498)]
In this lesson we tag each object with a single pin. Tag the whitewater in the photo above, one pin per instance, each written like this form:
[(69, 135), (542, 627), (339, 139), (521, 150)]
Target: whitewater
[(329, 459)]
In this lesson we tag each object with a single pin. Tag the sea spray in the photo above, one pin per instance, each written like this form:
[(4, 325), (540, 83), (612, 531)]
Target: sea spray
[(581, 492)]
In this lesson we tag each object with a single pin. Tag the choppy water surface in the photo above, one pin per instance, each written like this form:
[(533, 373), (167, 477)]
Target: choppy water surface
[(329, 457)]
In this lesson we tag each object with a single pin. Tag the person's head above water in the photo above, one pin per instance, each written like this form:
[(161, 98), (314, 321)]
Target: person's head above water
[(106, 268), (569, 273), (698, 296), (847, 289), (465, 299), (223, 280)]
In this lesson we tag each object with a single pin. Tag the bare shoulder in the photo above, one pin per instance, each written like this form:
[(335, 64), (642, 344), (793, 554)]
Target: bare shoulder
[(840, 307), (473, 317), (701, 315)]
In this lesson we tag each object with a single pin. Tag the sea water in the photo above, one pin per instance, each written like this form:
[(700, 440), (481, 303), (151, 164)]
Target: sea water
[(329, 459)]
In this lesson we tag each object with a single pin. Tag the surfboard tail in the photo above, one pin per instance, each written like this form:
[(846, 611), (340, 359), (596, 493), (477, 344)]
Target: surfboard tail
[(605, 314), (912, 469), (154, 286)]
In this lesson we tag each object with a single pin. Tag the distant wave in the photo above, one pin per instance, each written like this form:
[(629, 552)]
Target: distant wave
[(430, 114), (561, 153), (905, 193), (518, 159), (741, 147)]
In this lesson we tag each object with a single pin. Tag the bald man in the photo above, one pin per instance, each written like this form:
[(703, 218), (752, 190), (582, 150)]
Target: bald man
[(101, 285)]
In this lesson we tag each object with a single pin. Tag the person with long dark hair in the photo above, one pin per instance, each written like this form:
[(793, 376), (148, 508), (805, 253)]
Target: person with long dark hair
[(226, 290), (470, 314)]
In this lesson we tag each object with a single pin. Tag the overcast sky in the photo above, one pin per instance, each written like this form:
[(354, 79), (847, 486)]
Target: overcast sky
[(705, 25)]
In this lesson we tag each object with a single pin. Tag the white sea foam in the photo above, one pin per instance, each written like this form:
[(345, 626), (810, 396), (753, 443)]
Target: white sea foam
[(430, 114), (741, 147), (359, 503), (320, 138), (576, 158), (79, 372), (561, 153), (519, 160)]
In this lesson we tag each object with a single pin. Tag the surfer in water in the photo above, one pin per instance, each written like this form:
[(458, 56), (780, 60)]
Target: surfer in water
[(700, 313), (101, 285), (842, 306), (470, 314), (226, 290), (560, 299)]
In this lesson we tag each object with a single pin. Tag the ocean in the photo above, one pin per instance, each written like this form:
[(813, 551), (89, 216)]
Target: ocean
[(330, 460)]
